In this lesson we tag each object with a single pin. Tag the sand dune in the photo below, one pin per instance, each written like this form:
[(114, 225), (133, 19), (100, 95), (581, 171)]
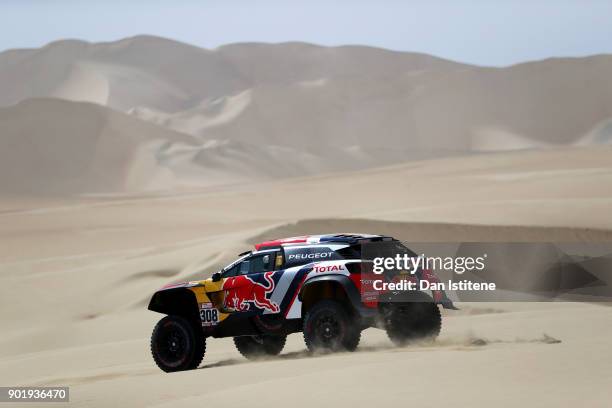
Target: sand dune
[(84, 84), (58, 147), (482, 109), (261, 111), (192, 74), (160, 73)]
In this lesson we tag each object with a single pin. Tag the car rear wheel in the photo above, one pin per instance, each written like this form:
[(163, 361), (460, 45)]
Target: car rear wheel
[(177, 344), (412, 321), (329, 327), (257, 347)]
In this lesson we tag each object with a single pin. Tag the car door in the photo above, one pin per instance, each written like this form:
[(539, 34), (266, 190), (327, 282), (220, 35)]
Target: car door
[(264, 278), (237, 288)]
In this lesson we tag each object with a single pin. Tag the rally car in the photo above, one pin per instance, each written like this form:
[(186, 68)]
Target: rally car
[(317, 285)]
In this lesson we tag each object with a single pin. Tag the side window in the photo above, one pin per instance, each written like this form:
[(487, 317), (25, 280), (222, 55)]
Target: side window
[(262, 263), (255, 264), (244, 266), (278, 260)]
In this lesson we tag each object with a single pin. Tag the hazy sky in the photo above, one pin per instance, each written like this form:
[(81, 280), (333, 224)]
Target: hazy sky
[(486, 32)]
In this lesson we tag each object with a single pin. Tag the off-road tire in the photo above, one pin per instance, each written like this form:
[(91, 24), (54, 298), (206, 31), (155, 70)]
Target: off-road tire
[(408, 322), (271, 324), (258, 347), (177, 344), (328, 326)]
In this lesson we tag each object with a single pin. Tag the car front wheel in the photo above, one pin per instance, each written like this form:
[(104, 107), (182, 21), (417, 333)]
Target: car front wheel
[(177, 344)]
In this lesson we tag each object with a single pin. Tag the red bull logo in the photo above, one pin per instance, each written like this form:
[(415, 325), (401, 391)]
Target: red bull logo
[(241, 292)]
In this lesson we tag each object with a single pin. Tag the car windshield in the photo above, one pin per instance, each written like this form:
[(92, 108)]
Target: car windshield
[(230, 266)]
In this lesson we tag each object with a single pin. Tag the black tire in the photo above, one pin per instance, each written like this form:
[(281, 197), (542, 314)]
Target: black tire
[(271, 324), (257, 347), (177, 344), (329, 327), (412, 321)]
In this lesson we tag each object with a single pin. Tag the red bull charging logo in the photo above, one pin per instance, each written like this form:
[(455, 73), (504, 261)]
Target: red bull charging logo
[(241, 292)]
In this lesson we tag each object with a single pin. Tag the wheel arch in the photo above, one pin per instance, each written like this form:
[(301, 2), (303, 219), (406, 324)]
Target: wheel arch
[(334, 287), (175, 301)]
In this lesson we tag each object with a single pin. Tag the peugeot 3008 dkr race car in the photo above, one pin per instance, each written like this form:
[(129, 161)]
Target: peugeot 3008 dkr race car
[(312, 284)]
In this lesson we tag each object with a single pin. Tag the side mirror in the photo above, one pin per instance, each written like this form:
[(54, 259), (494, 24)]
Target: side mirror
[(216, 277)]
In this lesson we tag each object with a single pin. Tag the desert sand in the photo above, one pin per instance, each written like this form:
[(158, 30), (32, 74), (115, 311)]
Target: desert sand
[(128, 165), (76, 276)]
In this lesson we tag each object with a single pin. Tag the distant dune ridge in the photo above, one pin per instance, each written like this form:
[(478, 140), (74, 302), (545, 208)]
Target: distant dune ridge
[(181, 115)]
